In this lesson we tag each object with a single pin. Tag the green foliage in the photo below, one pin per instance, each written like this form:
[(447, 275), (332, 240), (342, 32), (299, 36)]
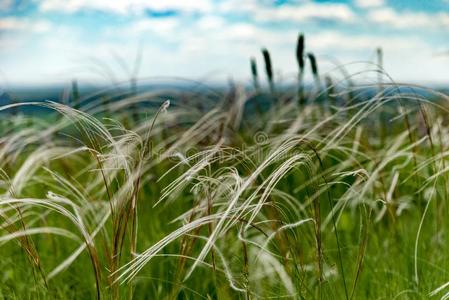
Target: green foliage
[(302, 202)]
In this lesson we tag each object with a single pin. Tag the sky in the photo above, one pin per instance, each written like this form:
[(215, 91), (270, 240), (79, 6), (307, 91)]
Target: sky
[(56, 41)]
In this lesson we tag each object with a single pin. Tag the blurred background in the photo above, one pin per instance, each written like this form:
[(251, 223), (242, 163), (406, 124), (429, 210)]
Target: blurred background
[(52, 42)]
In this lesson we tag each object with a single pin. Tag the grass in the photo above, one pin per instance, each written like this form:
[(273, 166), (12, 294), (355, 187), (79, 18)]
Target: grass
[(340, 198)]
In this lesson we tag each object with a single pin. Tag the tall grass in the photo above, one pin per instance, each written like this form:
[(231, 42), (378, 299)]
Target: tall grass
[(189, 203)]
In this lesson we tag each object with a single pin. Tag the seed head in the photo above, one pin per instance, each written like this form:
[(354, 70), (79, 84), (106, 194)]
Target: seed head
[(300, 51), (313, 64), (268, 66), (165, 105), (253, 67)]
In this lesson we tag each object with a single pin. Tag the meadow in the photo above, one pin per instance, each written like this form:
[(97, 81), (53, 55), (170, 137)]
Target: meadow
[(334, 190)]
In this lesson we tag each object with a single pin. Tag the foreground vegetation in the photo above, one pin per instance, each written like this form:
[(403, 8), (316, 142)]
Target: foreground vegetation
[(317, 200), (304, 193)]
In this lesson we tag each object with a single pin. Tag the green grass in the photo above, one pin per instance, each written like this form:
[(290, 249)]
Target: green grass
[(298, 202)]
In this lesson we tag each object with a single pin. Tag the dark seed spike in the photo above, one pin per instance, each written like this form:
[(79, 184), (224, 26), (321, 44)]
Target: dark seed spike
[(313, 64), (379, 56), (380, 66), (254, 73), (268, 67), (300, 52), (314, 68), (301, 63), (330, 87), (75, 94), (15, 110), (134, 107), (253, 67)]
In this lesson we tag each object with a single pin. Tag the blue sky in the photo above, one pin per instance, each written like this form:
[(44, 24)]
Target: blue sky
[(55, 41)]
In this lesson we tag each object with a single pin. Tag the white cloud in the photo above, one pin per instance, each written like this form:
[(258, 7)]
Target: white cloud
[(160, 26), (190, 46), (10, 43), (237, 6), (16, 24), (303, 12), (299, 12), (326, 40), (210, 22), (403, 20), (369, 3), (125, 6), (225, 50)]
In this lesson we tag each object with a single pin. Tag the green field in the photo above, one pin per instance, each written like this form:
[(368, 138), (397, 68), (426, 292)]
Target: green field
[(324, 200)]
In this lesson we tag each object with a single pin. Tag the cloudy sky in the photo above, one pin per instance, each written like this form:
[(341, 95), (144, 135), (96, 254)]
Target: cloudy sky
[(47, 41)]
